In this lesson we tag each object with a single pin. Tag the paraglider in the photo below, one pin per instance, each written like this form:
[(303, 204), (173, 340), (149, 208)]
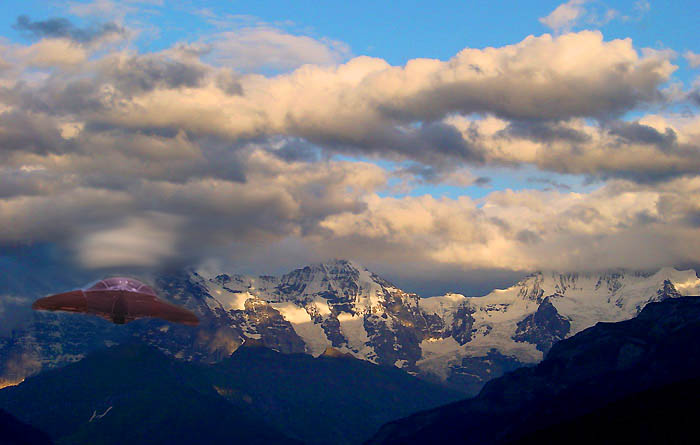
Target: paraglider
[(119, 300)]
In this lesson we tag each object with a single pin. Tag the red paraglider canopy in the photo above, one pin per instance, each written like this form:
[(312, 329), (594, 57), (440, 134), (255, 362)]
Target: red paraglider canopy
[(118, 299)]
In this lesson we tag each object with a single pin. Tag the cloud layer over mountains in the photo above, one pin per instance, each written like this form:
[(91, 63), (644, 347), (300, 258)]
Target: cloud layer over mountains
[(190, 154)]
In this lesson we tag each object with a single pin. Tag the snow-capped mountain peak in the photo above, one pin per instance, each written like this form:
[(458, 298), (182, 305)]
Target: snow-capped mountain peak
[(461, 340), (580, 299), (343, 305)]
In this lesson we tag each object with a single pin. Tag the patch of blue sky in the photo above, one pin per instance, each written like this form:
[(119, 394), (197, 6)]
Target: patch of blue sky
[(505, 178), (526, 177)]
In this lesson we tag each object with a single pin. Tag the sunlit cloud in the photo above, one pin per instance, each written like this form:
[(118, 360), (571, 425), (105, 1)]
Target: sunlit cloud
[(255, 137)]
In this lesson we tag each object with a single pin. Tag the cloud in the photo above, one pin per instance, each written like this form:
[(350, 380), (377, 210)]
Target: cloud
[(651, 149), (565, 16), (63, 28), (549, 182), (113, 215), (136, 242), (176, 156), (24, 133), (103, 8), (416, 173), (367, 103), (268, 48), (634, 132), (692, 58), (362, 107), (576, 13), (49, 53), (527, 230), (641, 7), (135, 74)]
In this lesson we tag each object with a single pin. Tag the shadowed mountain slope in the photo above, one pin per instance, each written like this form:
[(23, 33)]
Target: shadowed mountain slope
[(135, 394), (14, 432), (132, 394), (668, 414), (328, 399)]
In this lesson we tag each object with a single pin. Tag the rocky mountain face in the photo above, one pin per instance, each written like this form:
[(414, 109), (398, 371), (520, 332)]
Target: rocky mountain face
[(453, 339), (624, 382)]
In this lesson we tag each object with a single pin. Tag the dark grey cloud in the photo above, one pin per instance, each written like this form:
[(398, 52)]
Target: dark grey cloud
[(22, 132), (143, 73), (693, 219), (483, 181), (634, 132), (550, 182), (58, 96), (528, 237), (64, 28), (29, 271), (425, 173), (117, 80), (445, 139), (229, 83), (297, 150), (437, 144), (694, 97), (543, 132), (645, 217), (16, 183)]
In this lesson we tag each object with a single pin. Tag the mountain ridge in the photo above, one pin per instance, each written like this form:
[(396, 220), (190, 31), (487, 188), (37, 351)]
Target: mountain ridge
[(453, 339), (583, 374)]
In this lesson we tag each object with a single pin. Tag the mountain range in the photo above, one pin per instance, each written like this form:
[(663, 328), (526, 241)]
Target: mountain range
[(633, 381), (460, 341), (628, 382)]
